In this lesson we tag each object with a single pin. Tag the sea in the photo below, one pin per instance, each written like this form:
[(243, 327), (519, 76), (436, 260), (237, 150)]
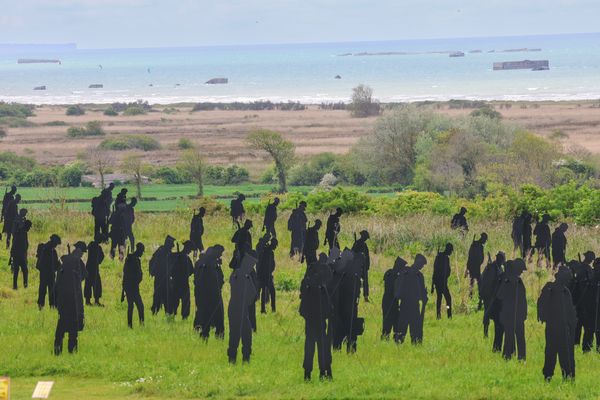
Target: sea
[(397, 71)]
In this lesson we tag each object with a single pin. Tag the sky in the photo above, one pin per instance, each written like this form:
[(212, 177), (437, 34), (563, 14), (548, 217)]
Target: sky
[(171, 23)]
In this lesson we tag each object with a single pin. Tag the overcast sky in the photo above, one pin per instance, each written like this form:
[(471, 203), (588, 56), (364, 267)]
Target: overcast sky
[(160, 23)]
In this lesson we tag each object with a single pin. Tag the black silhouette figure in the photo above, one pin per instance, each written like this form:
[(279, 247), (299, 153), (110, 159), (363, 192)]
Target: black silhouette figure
[(197, 230), (591, 311), (297, 226), (242, 239), (555, 308), (410, 290), (11, 213), (101, 212), (9, 196), (132, 277), (333, 229), (180, 270), (69, 299), (389, 302), (360, 246), (439, 280), (208, 284), (18, 251), (311, 245), (159, 270), (459, 221), (559, 245), (93, 282), (48, 264), (492, 276), (582, 275), (117, 230), (543, 240), (237, 211), (271, 217), (243, 296), (514, 309), (316, 308), (265, 267), (474, 262), (121, 198), (521, 235), (128, 216)]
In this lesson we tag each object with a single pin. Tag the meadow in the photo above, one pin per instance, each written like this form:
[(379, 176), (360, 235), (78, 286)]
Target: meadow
[(167, 359)]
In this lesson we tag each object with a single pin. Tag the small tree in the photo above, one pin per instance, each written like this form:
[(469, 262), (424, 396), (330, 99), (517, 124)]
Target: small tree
[(99, 160), (192, 163), (363, 105), (279, 149), (133, 163)]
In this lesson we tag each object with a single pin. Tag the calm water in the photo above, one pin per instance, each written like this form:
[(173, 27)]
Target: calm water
[(305, 72)]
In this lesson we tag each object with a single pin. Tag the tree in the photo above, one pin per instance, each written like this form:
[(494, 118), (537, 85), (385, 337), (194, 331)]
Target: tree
[(278, 148), (363, 105), (192, 163), (133, 163), (99, 160)]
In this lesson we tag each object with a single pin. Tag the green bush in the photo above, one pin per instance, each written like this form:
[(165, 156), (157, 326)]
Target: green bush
[(16, 122), (170, 175), (486, 112), (15, 110), (129, 142), (185, 144), (55, 123), (92, 128), (110, 112), (232, 175), (134, 110), (70, 175), (75, 110)]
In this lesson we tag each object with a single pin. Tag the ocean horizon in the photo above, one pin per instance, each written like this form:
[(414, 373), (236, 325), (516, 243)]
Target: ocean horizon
[(398, 71)]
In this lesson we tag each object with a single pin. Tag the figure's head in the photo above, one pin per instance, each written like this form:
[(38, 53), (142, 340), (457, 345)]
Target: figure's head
[(188, 247), (449, 249), (500, 257), (274, 243), (323, 258), (18, 198), (483, 238), (338, 211), (111, 186), (364, 235), (55, 240), (201, 211), (463, 211), (219, 250), (318, 224), (302, 205), (420, 261), (133, 202), (23, 212), (276, 201), (248, 224), (124, 191), (400, 262), (139, 249), (596, 264), (588, 257), (13, 189), (545, 218), (563, 276), (563, 227), (81, 246), (519, 266), (241, 197), (169, 242)]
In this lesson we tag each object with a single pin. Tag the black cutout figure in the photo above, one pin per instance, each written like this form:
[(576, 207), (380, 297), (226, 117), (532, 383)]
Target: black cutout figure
[(514, 309), (197, 230), (121, 198), (48, 264), (180, 270), (271, 218), (474, 263), (264, 270), (208, 285), (297, 226), (459, 221), (389, 302), (132, 277), (489, 284), (521, 235), (93, 282), (333, 229), (69, 299), (243, 296), (439, 280), (591, 311), (9, 196), (11, 213), (159, 269), (128, 221), (582, 274), (117, 231), (18, 251), (411, 292), (543, 240), (316, 308), (242, 238), (311, 245), (555, 308), (237, 211), (101, 212), (360, 246), (559, 245)]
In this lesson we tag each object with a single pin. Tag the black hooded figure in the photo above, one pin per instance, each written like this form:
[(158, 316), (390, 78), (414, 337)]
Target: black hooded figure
[(543, 240), (591, 311), (439, 280), (489, 284), (559, 245), (242, 238), (132, 277), (197, 230), (474, 262), (117, 230), (265, 267), (360, 246), (333, 229), (243, 296), (514, 309), (316, 308), (121, 197), (208, 284), (237, 211), (93, 282), (555, 308), (582, 275), (128, 221), (389, 302), (180, 270), (18, 250), (11, 213), (521, 234), (159, 269), (459, 221), (9, 196), (101, 213), (410, 290), (69, 299), (297, 226), (311, 245), (47, 263), (271, 218)]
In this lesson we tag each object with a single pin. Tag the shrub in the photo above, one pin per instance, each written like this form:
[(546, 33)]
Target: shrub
[(110, 112), (487, 112), (128, 142), (232, 175), (134, 110), (363, 105), (170, 175), (15, 110), (2, 133), (185, 143), (75, 110), (70, 175), (56, 123), (92, 128), (16, 122)]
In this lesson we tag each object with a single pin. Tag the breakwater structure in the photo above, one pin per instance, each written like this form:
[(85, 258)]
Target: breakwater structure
[(534, 65)]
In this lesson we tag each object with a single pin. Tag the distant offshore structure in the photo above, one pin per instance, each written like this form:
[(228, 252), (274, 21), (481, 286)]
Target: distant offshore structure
[(37, 61), (456, 54), (534, 65)]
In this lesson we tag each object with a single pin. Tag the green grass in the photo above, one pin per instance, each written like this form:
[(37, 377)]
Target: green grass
[(167, 359)]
